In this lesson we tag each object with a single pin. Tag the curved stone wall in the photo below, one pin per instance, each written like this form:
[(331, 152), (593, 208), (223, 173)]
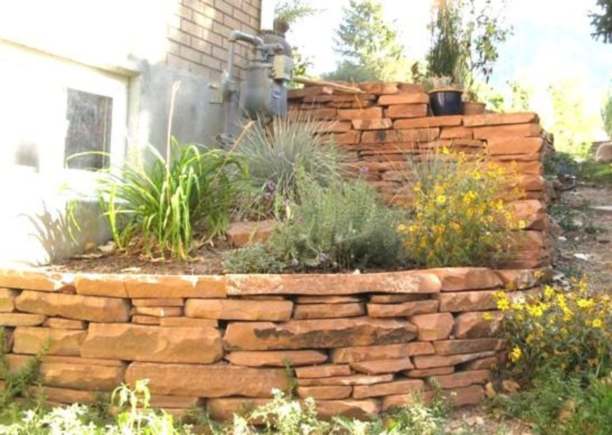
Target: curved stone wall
[(359, 343)]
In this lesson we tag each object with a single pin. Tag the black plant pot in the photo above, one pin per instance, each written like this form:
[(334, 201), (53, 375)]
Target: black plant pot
[(446, 102)]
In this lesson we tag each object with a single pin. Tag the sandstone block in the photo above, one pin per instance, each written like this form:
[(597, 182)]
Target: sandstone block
[(430, 361), (21, 319), (404, 98), (402, 400), (150, 343), (358, 409), (235, 309), (456, 133), (462, 379), (181, 402), (476, 325), (471, 395), (91, 308), (378, 88), (101, 284), (519, 279), (31, 340), (309, 91), (406, 111), (346, 380), (59, 323), (176, 286), (159, 302), (316, 334), (467, 301), (452, 347), (81, 377), (371, 353), (7, 300), (372, 124), (352, 137), (403, 309), (382, 366), (314, 113), (500, 119), (409, 386), (487, 363), (327, 300), (158, 311), (369, 113), (425, 373), (532, 212), (328, 311), (467, 278), (432, 327), (69, 396), (187, 322), (246, 233), (146, 320), (276, 358), (32, 279), (325, 392), (216, 380), (396, 299), (331, 127), (392, 136), (507, 131), (428, 122), (323, 371), (223, 409)]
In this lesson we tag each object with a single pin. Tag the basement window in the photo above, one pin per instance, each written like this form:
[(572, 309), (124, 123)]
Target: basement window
[(88, 135)]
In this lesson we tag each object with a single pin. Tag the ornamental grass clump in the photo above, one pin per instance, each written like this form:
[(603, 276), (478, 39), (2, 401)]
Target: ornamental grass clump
[(462, 214), (565, 330)]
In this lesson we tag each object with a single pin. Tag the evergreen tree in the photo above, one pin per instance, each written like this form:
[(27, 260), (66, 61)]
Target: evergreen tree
[(602, 21)]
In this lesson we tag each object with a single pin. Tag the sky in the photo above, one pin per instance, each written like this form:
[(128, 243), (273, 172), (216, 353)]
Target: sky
[(551, 43)]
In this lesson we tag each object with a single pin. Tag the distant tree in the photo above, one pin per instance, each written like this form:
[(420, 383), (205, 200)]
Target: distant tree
[(368, 45), (606, 114), (520, 97), (602, 21)]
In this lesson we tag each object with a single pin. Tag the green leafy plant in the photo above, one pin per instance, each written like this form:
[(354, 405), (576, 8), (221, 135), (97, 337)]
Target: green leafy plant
[(447, 55), (256, 258), (158, 207)]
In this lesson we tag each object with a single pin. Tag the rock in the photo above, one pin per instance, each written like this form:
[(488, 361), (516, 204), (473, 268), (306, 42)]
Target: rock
[(91, 308), (466, 278), (488, 363), (404, 309), (490, 390), (316, 334), (519, 279), (369, 113), (31, 340), (532, 212), (397, 299), (146, 320), (346, 380), (372, 124), (59, 323), (333, 284), (467, 301), (327, 300), (21, 319), (424, 373), (510, 386), (604, 153), (476, 325), (433, 327), (187, 322), (216, 380), (32, 279), (158, 311), (97, 284), (508, 131), (515, 146), (68, 396), (276, 358), (7, 300), (382, 366), (402, 400), (358, 409), (247, 233), (500, 119), (370, 353), (409, 386), (378, 88), (159, 302), (175, 286), (328, 311), (452, 347), (174, 402), (223, 409), (407, 98), (323, 371), (461, 379), (430, 121), (430, 361), (152, 343), (235, 309), (406, 111), (325, 392), (471, 395)]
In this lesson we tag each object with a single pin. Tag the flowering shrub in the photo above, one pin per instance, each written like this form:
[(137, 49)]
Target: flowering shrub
[(461, 213), (569, 331)]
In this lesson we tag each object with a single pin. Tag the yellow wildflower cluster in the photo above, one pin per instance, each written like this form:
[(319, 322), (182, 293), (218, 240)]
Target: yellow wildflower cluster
[(566, 329), (462, 213)]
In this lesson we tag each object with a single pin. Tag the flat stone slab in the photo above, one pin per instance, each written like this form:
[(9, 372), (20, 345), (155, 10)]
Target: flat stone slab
[(602, 208)]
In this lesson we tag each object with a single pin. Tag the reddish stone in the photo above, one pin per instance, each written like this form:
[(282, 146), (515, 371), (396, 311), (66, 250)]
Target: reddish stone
[(328, 311), (431, 327), (352, 137), (403, 400), (461, 379), (325, 392), (96, 284), (467, 301), (309, 91), (519, 279), (176, 286), (276, 358), (409, 386), (370, 353), (346, 380), (327, 299), (428, 122), (532, 212), (357, 409), (471, 395), (425, 373), (246, 233), (382, 366), (430, 361), (223, 409), (146, 320), (508, 131), (456, 133), (500, 119), (488, 363), (323, 371), (315, 334), (391, 136), (452, 347), (55, 341), (404, 98), (238, 309), (314, 113), (327, 127), (187, 322), (32, 279), (406, 111), (370, 113), (59, 323), (476, 325), (402, 310), (396, 299), (467, 278), (378, 88), (159, 311), (372, 124)]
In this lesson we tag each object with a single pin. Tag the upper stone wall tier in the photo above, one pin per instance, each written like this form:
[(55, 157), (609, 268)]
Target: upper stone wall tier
[(359, 343)]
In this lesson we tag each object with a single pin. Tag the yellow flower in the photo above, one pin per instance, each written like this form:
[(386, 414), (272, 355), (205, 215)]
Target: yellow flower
[(585, 303), (441, 199), (401, 228), (549, 292), (597, 323), (516, 354), (487, 316)]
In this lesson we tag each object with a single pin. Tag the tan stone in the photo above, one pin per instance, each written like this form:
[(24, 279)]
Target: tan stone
[(407, 98), (467, 301), (314, 113), (217, 380), (33, 279), (425, 373), (397, 299), (159, 302), (91, 308), (334, 284), (59, 323), (409, 386), (392, 136), (328, 311), (452, 347), (151, 343), (456, 133), (96, 284), (73, 360), (372, 124), (402, 400), (352, 137), (146, 320), (325, 392), (223, 409), (309, 91), (406, 111), (382, 366), (430, 361), (56, 341), (532, 212), (346, 380), (246, 233), (238, 309), (69, 396), (276, 358), (323, 371), (471, 395), (500, 119), (604, 153), (358, 409), (327, 299), (164, 402), (461, 379), (158, 311), (506, 131), (488, 363), (187, 322), (7, 300), (437, 326), (402, 310), (466, 278), (369, 113), (371, 353), (21, 319), (316, 334), (378, 88), (176, 286), (431, 121), (476, 324), (519, 279), (327, 127)]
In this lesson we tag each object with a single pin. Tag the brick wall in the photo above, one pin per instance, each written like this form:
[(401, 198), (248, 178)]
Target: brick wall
[(198, 32)]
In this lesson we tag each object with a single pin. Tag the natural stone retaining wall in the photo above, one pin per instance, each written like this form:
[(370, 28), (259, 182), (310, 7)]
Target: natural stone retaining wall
[(359, 343)]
